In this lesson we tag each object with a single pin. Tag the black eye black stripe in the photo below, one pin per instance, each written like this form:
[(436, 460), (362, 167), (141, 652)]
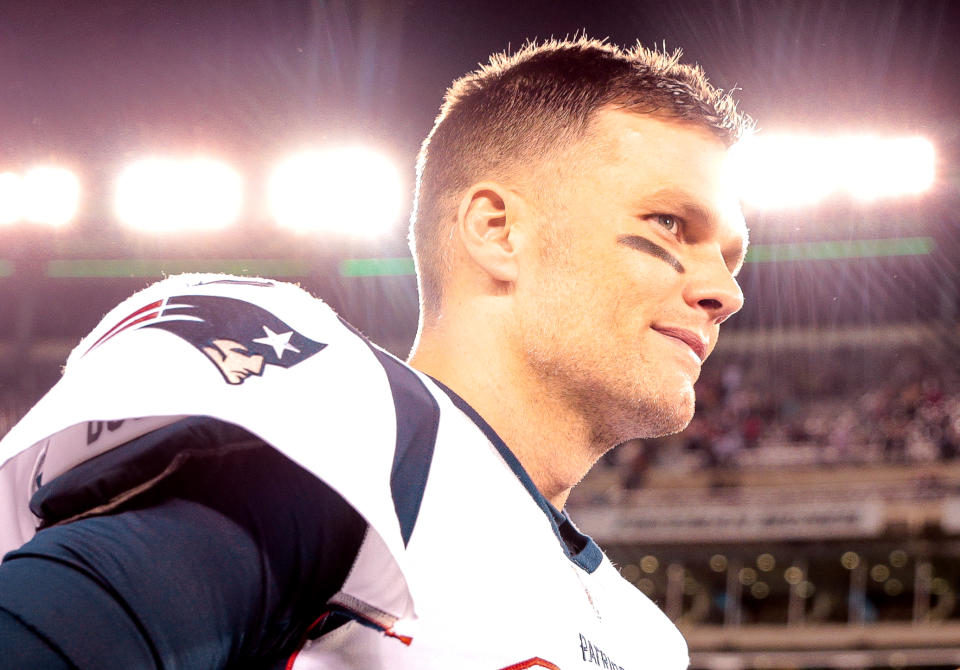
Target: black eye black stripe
[(655, 250)]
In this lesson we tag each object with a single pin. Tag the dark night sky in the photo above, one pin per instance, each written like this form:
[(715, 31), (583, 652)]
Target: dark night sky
[(93, 82)]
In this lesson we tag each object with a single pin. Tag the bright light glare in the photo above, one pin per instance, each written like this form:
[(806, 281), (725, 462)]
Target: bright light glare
[(11, 197), (49, 195), (788, 171), (163, 194), (351, 190)]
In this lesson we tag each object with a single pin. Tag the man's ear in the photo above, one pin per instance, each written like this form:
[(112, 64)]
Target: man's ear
[(486, 224)]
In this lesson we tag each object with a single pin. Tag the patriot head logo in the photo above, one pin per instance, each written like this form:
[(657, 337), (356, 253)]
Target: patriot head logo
[(238, 337)]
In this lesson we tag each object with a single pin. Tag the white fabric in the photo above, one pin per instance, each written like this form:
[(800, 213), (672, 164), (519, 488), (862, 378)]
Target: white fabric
[(483, 583), (494, 589), (329, 413)]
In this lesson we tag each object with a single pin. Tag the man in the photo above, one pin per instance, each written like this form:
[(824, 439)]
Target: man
[(576, 240)]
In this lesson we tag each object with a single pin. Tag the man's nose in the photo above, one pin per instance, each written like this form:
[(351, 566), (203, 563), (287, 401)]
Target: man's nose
[(713, 288)]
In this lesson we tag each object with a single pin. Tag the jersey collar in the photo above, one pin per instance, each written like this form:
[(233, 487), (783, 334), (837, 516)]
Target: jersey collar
[(578, 547)]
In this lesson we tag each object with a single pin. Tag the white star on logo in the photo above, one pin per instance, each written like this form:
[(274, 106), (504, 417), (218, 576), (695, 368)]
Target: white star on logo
[(280, 343)]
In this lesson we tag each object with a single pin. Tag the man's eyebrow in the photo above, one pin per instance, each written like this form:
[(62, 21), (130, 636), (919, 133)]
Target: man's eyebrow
[(680, 202), (685, 205)]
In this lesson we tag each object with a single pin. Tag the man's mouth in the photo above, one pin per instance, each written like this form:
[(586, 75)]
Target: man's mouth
[(688, 337)]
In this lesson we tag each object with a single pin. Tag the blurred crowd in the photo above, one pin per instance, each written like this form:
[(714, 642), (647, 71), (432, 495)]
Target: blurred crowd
[(841, 407)]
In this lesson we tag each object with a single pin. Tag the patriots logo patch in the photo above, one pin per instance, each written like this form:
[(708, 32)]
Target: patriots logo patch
[(238, 337)]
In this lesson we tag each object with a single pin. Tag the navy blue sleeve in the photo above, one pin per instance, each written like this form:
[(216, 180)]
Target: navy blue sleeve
[(24, 647), (225, 562)]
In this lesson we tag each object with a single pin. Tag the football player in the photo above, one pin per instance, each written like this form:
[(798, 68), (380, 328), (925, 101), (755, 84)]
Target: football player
[(310, 501)]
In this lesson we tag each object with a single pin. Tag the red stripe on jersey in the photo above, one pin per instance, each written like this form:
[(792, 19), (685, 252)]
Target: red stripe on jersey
[(293, 657), (532, 663), (406, 639), (123, 325)]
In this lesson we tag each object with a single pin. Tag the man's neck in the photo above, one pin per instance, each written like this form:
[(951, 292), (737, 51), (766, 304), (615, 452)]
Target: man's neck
[(550, 439)]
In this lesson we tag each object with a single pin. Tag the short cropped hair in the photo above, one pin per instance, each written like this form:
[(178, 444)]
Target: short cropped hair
[(512, 113)]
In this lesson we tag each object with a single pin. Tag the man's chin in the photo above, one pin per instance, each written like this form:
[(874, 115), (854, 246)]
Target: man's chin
[(665, 418), (674, 427), (678, 415)]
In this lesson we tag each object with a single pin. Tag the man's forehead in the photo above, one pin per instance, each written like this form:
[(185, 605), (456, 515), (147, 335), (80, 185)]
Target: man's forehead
[(623, 128), (651, 153), (642, 152)]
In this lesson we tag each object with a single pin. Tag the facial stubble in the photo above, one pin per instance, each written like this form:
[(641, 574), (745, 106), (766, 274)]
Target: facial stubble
[(604, 384)]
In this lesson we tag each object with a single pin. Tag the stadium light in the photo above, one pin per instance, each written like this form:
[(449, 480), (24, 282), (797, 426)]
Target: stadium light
[(50, 195), (786, 171), (354, 190), (43, 195), (164, 194), (11, 197)]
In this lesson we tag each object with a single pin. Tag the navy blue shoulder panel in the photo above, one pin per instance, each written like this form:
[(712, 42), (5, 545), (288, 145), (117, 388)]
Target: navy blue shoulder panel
[(579, 548), (418, 416)]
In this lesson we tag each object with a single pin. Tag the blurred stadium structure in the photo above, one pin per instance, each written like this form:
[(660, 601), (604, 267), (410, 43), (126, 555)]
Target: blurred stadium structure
[(808, 518), (811, 510)]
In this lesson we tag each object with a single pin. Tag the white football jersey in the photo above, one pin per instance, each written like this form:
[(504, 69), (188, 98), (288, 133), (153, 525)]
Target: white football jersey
[(465, 565)]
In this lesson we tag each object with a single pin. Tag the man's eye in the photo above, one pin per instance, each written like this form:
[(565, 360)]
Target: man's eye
[(668, 221)]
